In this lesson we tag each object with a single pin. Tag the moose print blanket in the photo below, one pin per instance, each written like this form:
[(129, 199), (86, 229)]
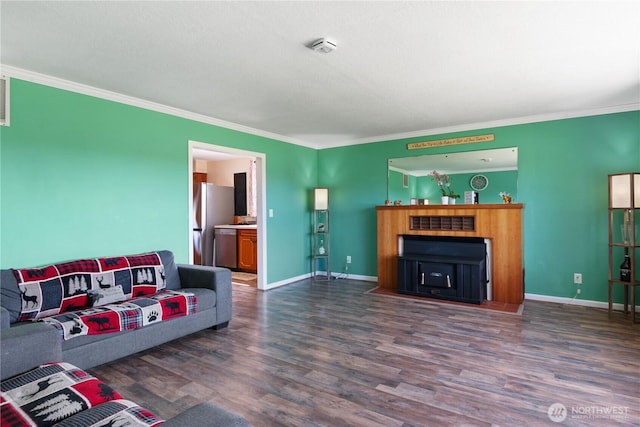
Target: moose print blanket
[(132, 314), (60, 288), (63, 395), (49, 394)]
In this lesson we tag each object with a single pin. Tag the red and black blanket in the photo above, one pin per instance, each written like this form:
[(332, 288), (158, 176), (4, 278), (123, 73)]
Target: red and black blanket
[(131, 314), (60, 288), (63, 395)]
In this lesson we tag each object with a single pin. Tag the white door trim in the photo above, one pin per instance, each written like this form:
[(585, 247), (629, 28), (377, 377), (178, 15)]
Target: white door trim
[(261, 161)]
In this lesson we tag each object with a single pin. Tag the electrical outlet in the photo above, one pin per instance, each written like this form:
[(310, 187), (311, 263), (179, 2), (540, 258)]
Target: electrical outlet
[(577, 278), (348, 259)]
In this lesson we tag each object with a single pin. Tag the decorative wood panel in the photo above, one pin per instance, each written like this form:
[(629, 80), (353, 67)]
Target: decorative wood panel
[(500, 223), (443, 222)]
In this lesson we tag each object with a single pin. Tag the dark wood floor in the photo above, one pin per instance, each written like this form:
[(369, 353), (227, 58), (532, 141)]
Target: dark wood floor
[(317, 354)]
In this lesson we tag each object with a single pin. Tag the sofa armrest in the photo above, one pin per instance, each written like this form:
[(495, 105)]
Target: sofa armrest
[(5, 319), (216, 278), (202, 276), (26, 346), (206, 414)]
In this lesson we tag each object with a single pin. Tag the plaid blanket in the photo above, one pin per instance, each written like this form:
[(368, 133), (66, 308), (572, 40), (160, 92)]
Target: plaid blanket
[(131, 314), (49, 394), (61, 394), (114, 413), (60, 288)]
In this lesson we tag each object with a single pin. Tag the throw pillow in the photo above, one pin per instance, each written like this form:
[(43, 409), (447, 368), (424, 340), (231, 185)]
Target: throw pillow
[(100, 297)]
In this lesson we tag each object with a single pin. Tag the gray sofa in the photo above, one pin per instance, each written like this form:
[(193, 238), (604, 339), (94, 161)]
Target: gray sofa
[(211, 285), (26, 345)]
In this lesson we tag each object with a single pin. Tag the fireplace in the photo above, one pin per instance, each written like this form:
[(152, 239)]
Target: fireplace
[(452, 268)]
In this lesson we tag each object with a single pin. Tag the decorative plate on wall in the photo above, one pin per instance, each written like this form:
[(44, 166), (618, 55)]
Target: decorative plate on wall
[(479, 182)]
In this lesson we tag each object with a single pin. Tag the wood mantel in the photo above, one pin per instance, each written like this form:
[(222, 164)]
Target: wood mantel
[(501, 223)]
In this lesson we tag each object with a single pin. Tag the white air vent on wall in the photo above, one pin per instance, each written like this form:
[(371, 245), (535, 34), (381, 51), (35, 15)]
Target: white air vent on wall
[(4, 101)]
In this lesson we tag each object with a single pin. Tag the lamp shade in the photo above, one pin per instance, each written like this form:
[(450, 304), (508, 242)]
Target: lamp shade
[(321, 199), (624, 190)]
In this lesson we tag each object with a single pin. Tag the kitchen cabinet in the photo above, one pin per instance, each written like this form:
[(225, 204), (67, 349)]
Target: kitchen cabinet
[(248, 250)]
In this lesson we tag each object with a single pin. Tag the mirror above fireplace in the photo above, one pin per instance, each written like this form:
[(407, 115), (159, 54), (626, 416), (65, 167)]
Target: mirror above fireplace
[(491, 172)]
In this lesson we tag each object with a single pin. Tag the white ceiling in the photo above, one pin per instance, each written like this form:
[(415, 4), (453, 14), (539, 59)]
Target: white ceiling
[(400, 69)]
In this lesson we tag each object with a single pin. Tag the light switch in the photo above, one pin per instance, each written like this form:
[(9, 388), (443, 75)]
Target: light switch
[(270, 213)]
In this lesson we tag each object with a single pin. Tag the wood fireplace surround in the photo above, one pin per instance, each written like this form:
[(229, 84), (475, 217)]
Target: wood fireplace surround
[(500, 223)]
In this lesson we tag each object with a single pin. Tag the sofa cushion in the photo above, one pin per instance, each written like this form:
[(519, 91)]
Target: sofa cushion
[(59, 288), (207, 414), (131, 314), (205, 298), (50, 393)]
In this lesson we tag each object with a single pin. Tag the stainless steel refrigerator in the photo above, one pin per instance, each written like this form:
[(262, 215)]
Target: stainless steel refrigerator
[(212, 205)]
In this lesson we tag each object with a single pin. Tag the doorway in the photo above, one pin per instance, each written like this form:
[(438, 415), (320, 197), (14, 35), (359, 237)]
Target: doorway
[(202, 151)]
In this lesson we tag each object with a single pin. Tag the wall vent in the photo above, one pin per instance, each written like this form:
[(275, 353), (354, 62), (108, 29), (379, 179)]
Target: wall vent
[(443, 223), (4, 101)]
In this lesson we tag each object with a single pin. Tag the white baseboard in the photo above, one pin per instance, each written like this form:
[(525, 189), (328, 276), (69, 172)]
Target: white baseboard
[(286, 281), (527, 296), (308, 275), (576, 301), (356, 277)]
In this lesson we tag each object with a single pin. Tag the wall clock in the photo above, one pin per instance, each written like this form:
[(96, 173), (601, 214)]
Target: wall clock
[(479, 182)]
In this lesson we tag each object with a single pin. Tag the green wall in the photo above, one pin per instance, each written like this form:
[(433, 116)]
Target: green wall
[(82, 176), (505, 181), (562, 181)]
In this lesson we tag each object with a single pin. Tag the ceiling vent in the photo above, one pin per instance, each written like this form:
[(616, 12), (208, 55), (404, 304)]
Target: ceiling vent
[(323, 46)]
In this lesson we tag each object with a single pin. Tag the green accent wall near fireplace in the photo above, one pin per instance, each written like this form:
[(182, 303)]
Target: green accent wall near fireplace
[(562, 181)]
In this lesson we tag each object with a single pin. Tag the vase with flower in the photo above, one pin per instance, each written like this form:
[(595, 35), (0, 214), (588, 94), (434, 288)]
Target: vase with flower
[(452, 197), (444, 185)]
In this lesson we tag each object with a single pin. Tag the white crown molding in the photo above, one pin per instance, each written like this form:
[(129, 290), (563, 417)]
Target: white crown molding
[(492, 124), (31, 76), (70, 86)]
